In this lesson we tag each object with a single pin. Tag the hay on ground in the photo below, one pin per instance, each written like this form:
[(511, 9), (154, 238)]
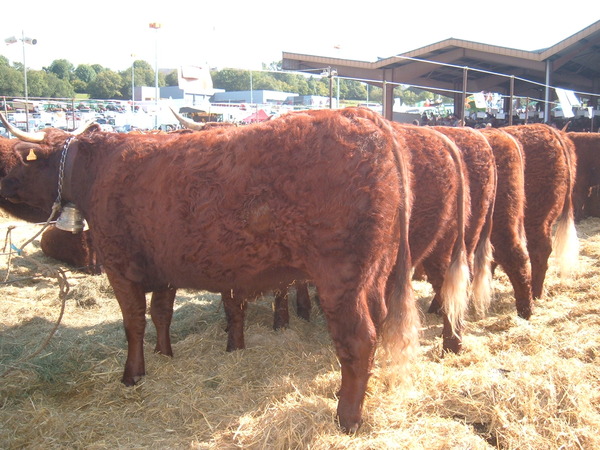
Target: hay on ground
[(518, 384)]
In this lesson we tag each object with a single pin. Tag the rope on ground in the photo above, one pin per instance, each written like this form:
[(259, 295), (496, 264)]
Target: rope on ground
[(8, 241), (63, 286)]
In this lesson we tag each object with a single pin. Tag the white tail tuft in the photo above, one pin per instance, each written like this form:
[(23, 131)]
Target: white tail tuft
[(482, 278), (455, 291), (566, 246)]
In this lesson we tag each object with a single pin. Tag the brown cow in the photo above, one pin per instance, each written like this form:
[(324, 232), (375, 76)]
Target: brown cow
[(508, 231), (480, 169), (587, 149), (550, 167), (436, 233), (237, 219), (236, 315), (437, 227), (73, 249)]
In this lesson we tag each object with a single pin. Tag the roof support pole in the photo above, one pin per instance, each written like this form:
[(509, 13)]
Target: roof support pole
[(547, 91), (511, 100), (463, 119), (387, 95), (388, 100)]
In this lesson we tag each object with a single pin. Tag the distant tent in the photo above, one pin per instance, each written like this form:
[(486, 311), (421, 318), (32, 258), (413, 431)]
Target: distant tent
[(258, 116)]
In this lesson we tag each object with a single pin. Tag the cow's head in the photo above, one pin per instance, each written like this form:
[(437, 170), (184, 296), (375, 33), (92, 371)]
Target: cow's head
[(34, 178)]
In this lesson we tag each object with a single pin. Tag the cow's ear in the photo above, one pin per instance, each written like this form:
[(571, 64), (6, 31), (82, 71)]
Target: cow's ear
[(31, 156)]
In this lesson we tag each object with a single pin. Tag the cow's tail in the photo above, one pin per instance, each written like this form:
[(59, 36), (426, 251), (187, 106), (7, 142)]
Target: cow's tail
[(566, 243), (455, 287), (400, 330), (484, 256)]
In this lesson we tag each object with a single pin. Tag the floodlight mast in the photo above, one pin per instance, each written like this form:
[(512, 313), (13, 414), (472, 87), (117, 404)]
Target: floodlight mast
[(24, 40)]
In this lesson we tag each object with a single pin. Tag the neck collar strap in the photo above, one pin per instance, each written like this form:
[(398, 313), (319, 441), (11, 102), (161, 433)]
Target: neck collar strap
[(65, 171)]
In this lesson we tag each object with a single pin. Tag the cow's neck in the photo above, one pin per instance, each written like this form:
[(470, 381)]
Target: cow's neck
[(71, 150), (75, 175)]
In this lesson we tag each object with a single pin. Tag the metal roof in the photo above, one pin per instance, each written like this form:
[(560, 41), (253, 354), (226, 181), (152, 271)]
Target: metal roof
[(573, 64)]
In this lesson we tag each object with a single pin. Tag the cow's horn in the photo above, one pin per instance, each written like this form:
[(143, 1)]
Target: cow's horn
[(187, 123), (36, 137), (83, 127)]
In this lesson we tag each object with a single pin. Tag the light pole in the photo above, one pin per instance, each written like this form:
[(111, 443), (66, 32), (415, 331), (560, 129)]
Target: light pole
[(330, 73), (156, 26), (132, 83), (24, 40)]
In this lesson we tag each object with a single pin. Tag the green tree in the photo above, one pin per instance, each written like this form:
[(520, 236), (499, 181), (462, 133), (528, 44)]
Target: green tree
[(61, 68), (355, 90), (85, 73), (172, 79), (98, 68), (58, 87), (11, 81), (106, 85), (37, 86), (231, 79), (275, 66), (316, 86), (144, 74), (264, 80)]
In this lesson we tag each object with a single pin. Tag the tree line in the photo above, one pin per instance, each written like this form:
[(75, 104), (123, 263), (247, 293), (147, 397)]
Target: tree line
[(62, 79)]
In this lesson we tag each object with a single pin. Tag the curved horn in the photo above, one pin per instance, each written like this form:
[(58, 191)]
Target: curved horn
[(36, 137), (83, 127), (187, 123)]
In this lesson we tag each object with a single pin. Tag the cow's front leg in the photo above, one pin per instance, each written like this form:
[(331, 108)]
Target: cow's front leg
[(132, 300)]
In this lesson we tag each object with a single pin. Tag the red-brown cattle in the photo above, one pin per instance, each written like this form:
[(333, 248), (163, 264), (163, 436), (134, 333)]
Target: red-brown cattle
[(508, 231), (587, 149), (73, 249), (480, 169), (436, 235), (550, 167), (223, 210), (438, 220), (235, 310)]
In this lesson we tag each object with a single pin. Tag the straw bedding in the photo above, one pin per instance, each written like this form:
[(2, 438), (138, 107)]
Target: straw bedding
[(518, 384)]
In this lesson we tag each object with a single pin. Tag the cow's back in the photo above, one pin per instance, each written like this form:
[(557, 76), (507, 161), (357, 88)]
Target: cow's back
[(546, 173), (550, 165), (435, 185)]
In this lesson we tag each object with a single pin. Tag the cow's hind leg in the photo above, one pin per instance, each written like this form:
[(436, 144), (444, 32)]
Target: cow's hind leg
[(354, 336), (235, 315), (450, 284), (132, 300), (302, 300), (539, 244), (281, 313), (161, 311), (514, 259), (435, 267)]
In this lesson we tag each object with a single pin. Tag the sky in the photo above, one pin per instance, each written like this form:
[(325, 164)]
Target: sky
[(246, 34)]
